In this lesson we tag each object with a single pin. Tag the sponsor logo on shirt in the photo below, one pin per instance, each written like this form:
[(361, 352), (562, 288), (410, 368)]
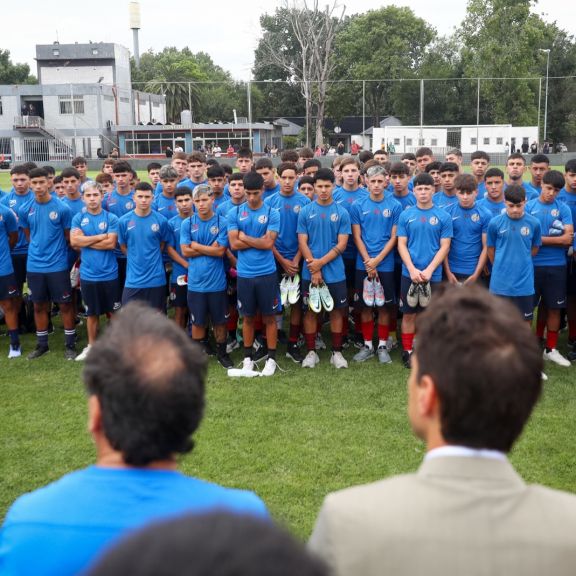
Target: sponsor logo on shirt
[(131, 225), (194, 228), (313, 215), (12, 203)]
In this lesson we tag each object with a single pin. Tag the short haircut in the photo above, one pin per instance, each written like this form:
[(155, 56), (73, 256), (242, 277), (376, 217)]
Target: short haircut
[(227, 168), (58, 179), (29, 165), (408, 156), (212, 162), (436, 165), (336, 162), (283, 166), (104, 178), (515, 193), (50, 169), (424, 152), (289, 156), (70, 173), (306, 152), (236, 176), (399, 168), (244, 152), (516, 156), (215, 171), (202, 190), (465, 183), (209, 544), (121, 166), (454, 152), (324, 174), (149, 379), (135, 175), (37, 173), (570, 166), (79, 160), (20, 169), (253, 181), (144, 186), (264, 163), (196, 157), (151, 166), (377, 170), (168, 173), (365, 155), (183, 191), (381, 152), (539, 159), (480, 155), (494, 173), (449, 167), (112, 161), (423, 179), (554, 178), (305, 180), (180, 156), (487, 375), (92, 184), (312, 163), (348, 161), (369, 164)]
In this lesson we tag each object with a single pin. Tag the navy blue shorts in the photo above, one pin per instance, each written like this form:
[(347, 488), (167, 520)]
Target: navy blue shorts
[(350, 271), (259, 294), (550, 286), (19, 265), (404, 285), (397, 279), (388, 283), (9, 287), (571, 277), (154, 297), (178, 295), (204, 305), (122, 262), (524, 304), (50, 287), (100, 297), (338, 291)]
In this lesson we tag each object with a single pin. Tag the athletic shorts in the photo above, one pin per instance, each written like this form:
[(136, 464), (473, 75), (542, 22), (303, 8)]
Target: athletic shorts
[(19, 265), (404, 286), (550, 286), (154, 297), (387, 281), (9, 287), (280, 272), (570, 278), (338, 291), (259, 294), (122, 262), (50, 287), (204, 305), (397, 279), (178, 295), (482, 280), (100, 297), (350, 271), (525, 305)]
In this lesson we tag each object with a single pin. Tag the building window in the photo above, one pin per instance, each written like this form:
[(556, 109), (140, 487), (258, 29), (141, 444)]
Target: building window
[(56, 52), (396, 141), (125, 100), (66, 104), (486, 141), (473, 141), (421, 142), (434, 142), (499, 141), (408, 141), (95, 51)]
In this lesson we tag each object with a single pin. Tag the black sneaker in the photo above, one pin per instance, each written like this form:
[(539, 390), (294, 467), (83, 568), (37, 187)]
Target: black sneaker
[(37, 352), (572, 354), (406, 358), (260, 349), (225, 361), (207, 347), (358, 340), (293, 352), (70, 353)]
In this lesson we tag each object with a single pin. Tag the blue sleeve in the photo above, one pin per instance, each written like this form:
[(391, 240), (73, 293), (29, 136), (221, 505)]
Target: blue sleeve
[(76, 221), (23, 217), (491, 236), (447, 231), (165, 231), (185, 238), (355, 214), (11, 221), (486, 217), (66, 217), (301, 226), (112, 224), (566, 214), (121, 232), (396, 213), (232, 218), (223, 234), (345, 227), (274, 224), (155, 204), (537, 238), (401, 231)]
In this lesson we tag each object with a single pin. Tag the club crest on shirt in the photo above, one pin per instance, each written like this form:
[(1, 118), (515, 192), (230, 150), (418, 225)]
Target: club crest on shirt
[(84, 221), (214, 229), (334, 217), (129, 206), (475, 217), (555, 212), (12, 203), (525, 231), (263, 219), (53, 215), (297, 208), (155, 227), (386, 212), (433, 220), (102, 226)]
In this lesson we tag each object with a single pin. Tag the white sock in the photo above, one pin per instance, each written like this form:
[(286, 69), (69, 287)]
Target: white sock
[(368, 344), (381, 343)]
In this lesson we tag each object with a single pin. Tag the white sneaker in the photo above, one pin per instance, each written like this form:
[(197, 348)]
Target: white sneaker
[(15, 352), (391, 344), (294, 289), (310, 360), (248, 365), (326, 297), (284, 284), (544, 377), (379, 299), (314, 299), (338, 361), (269, 367), (368, 291), (557, 358), (82, 356), (319, 342)]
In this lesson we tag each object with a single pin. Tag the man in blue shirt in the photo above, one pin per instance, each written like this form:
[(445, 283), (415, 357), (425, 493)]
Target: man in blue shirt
[(146, 385), (493, 201), (95, 234), (180, 163), (323, 231), (252, 231), (217, 181), (479, 162), (550, 263), (539, 165), (142, 235), (513, 239), (265, 168), (424, 234), (46, 222), (164, 203), (447, 196), (515, 168)]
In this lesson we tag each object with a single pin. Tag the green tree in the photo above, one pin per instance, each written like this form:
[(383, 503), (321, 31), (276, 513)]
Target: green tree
[(14, 73)]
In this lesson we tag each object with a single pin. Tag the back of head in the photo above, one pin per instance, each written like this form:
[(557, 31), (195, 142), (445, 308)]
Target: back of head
[(149, 380), (487, 373), (365, 156), (289, 156), (208, 545)]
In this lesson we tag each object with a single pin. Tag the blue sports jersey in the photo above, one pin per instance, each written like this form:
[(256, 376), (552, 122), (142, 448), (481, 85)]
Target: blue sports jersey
[(219, 201), (76, 205), (442, 200), (468, 226), (8, 225), (376, 220), (205, 273), (177, 269), (97, 265), (17, 202), (423, 230), (142, 236), (406, 202), (482, 190), (495, 208), (531, 190), (253, 262), (546, 214), (225, 207), (48, 250), (269, 192), (346, 198), (288, 207), (118, 204), (513, 240), (165, 206), (568, 198), (323, 225)]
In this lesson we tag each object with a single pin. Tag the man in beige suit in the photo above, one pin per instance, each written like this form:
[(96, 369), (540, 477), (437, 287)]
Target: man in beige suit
[(475, 378)]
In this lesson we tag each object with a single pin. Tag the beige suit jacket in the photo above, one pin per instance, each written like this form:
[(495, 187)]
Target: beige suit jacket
[(455, 516)]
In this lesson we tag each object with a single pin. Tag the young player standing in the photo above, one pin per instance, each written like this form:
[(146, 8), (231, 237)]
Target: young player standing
[(479, 162), (493, 201), (447, 196)]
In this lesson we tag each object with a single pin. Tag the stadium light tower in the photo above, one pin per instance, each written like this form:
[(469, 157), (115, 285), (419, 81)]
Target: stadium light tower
[(134, 10), (547, 50)]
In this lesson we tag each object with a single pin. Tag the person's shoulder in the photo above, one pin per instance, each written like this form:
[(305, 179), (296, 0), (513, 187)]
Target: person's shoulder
[(531, 219), (126, 217)]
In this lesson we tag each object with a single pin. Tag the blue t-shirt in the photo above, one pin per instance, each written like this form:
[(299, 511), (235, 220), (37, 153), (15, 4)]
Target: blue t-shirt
[(569, 198), (442, 200), (531, 190), (205, 273), (323, 225), (143, 236), (226, 206), (48, 250), (165, 206), (546, 214), (288, 207), (63, 528), (468, 226), (76, 205), (17, 202), (481, 190), (269, 192), (346, 198), (253, 262), (376, 220), (97, 265), (495, 208), (8, 225), (177, 269), (424, 229), (118, 204), (513, 240)]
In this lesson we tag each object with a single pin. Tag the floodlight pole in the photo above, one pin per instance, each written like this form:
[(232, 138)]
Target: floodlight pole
[(250, 115), (547, 50), (478, 116)]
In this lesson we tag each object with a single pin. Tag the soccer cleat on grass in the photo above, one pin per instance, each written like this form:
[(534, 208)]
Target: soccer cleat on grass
[(224, 360), (406, 358), (310, 360), (82, 356), (412, 295), (383, 355), (391, 344), (15, 352), (379, 299), (70, 353), (424, 294), (314, 302), (284, 290), (293, 352), (326, 297), (247, 370), (319, 342), (338, 361), (368, 291), (294, 289), (554, 356), (231, 345), (365, 354), (269, 368), (37, 352)]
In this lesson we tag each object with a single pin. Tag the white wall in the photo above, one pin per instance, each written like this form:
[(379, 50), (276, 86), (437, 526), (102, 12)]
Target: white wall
[(10, 109), (77, 74)]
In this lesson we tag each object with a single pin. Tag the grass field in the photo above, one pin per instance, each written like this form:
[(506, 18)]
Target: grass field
[(291, 438)]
